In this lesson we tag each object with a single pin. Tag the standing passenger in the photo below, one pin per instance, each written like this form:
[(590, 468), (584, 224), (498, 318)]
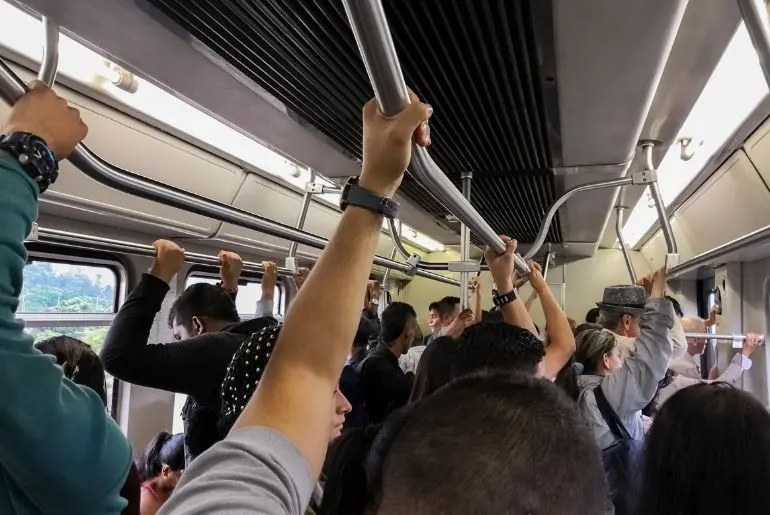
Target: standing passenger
[(206, 323), (160, 468)]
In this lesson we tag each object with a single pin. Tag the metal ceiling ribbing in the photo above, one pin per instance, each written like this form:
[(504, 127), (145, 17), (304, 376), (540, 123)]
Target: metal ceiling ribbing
[(480, 64)]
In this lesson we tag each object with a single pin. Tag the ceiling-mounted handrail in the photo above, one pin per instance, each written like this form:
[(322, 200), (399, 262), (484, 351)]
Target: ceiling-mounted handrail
[(672, 252), (370, 28), (623, 181), (97, 243), (755, 17), (622, 242), (49, 64), (12, 88)]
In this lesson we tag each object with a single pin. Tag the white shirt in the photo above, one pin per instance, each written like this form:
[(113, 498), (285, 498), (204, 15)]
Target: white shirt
[(731, 374)]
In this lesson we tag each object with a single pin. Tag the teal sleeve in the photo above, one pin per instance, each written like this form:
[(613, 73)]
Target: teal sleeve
[(59, 449)]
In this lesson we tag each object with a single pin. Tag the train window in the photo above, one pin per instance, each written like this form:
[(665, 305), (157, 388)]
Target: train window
[(72, 299), (249, 292)]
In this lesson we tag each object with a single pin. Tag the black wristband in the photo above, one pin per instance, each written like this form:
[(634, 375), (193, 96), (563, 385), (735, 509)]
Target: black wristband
[(505, 298)]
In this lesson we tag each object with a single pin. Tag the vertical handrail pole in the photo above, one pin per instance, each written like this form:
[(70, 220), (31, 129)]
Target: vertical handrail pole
[(622, 242), (672, 253), (386, 276), (49, 64), (465, 242), (302, 216), (755, 17), (547, 262)]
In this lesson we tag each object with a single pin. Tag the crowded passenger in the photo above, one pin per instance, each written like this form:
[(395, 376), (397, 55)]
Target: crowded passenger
[(385, 385), (434, 322), (451, 322), (160, 468), (350, 384), (205, 321), (708, 452), (435, 368), (592, 317), (689, 364), (59, 448), (79, 362)]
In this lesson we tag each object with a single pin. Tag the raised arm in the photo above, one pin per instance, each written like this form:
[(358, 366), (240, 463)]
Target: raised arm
[(266, 304), (631, 388), (59, 449), (230, 266), (561, 340), (501, 267), (476, 297), (298, 385)]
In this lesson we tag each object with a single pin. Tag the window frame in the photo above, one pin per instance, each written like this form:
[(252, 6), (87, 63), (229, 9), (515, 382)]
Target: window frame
[(112, 263), (207, 272)]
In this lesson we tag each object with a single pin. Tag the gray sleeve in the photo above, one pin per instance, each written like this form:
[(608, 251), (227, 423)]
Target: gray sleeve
[(632, 387), (254, 470)]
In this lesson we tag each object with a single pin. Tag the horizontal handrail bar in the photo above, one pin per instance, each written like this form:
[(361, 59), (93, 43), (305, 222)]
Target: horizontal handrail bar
[(722, 337)]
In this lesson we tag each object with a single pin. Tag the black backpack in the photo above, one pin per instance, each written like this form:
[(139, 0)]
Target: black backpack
[(622, 460)]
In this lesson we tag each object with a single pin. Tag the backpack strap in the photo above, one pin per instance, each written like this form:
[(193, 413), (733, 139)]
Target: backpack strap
[(612, 419)]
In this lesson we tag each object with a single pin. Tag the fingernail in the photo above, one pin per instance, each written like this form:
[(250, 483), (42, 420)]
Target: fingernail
[(429, 109)]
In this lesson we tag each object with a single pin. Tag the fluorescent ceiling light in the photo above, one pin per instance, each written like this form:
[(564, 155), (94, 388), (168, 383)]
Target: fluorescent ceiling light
[(732, 92), (24, 34), (416, 238)]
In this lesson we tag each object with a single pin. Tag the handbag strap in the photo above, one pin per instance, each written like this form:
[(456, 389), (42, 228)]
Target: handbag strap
[(610, 417)]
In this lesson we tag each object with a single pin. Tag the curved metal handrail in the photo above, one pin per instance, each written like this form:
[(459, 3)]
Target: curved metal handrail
[(370, 28), (49, 64), (12, 88), (543, 233)]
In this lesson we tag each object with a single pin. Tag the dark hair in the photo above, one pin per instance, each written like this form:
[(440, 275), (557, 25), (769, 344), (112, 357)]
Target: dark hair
[(677, 306), (651, 410), (566, 379), (492, 316), (80, 363), (435, 367), (497, 346), (202, 300), (592, 317), (454, 452), (165, 448), (243, 374), (708, 452), (366, 329), (446, 306), (394, 321), (432, 306)]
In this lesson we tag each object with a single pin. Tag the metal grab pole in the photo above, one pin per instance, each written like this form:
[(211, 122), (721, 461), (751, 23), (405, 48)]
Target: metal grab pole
[(564, 198), (49, 64), (395, 231), (547, 262), (12, 88), (737, 339), (672, 255), (465, 242), (96, 243), (621, 240), (370, 28), (755, 17), (302, 216)]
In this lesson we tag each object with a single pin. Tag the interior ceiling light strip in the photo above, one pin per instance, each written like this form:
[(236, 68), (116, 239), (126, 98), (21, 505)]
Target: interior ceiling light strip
[(478, 63)]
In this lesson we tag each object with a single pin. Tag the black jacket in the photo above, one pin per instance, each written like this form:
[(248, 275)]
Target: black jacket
[(195, 367), (386, 387)]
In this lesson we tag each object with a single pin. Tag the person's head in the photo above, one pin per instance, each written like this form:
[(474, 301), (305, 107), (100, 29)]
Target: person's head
[(498, 346), (585, 327), (448, 310), (481, 444), (597, 352), (435, 367), (398, 325), (201, 308), (366, 329), (620, 309), (695, 346), (592, 317), (341, 407), (162, 462), (677, 306), (708, 452), (80, 363), (434, 319)]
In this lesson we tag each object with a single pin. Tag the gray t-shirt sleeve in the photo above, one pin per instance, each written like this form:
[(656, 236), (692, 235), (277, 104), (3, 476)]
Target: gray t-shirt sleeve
[(254, 470)]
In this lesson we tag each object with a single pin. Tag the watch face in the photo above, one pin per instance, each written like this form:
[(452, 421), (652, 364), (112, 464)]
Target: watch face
[(41, 155)]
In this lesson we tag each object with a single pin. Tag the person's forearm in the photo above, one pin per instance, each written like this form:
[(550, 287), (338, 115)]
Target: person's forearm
[(531, 300), (477, 306), (515, 313), (561, 340)]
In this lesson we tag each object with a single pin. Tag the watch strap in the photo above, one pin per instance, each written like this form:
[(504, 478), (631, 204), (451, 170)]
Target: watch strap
[(505, 298), (355, 195)]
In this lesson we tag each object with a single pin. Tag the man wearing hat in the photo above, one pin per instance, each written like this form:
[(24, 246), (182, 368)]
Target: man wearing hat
[(619, 312)]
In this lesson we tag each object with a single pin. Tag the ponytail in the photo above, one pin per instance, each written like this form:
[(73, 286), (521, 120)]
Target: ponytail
[(165, 448)]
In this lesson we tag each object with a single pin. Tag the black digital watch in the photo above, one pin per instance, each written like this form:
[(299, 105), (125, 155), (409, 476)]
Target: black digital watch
[(33, 155)]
